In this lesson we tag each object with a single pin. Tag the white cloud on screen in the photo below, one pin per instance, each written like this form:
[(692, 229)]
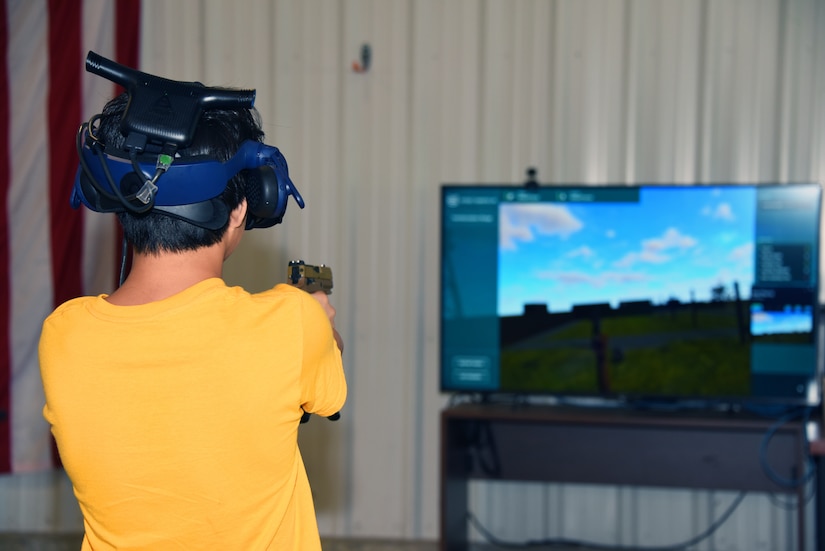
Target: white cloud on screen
[(721, 211), (520, 223), (654, 250)]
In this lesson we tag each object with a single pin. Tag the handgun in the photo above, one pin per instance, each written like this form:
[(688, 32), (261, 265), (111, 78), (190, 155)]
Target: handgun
[(309, 277)]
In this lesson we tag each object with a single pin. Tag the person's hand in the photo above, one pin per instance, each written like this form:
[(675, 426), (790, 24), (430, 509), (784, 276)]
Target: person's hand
[(323, 299)]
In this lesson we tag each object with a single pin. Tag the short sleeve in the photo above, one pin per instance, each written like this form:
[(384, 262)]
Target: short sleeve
[(323, 384)]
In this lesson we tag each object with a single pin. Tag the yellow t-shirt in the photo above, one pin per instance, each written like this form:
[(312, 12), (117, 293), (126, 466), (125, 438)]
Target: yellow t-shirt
[(177, 421)]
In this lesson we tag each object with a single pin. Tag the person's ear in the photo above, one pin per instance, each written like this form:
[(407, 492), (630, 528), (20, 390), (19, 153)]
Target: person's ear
[(238, 215)]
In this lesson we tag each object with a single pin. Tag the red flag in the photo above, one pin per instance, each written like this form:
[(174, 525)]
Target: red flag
[(49, 252)]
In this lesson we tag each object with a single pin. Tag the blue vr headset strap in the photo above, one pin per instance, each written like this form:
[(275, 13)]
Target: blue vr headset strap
[(189, 189)]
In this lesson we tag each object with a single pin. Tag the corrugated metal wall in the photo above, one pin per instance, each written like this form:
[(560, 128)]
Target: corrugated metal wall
[(591, 91)]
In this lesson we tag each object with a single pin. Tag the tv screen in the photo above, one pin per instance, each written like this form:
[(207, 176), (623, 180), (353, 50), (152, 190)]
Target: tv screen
[(704, 293)]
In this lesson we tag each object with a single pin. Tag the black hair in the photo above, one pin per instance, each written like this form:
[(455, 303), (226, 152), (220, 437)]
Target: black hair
[(219, 134)]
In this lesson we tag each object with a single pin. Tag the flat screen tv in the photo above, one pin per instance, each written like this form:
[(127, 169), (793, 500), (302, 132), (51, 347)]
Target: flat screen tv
[(700, 294)]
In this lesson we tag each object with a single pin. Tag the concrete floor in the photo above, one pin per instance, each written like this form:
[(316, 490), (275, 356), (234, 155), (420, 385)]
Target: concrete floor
[(71, 542)]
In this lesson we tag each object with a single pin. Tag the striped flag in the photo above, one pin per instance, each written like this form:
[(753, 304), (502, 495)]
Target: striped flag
[(49, 252)]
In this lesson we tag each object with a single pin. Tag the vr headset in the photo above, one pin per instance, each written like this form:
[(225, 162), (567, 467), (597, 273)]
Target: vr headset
[(160, 118)]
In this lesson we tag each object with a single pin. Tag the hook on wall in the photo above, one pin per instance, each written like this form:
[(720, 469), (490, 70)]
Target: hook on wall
[(363, 65)]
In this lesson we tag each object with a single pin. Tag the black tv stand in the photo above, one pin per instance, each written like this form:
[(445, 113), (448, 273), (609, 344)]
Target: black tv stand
[(685, 449)]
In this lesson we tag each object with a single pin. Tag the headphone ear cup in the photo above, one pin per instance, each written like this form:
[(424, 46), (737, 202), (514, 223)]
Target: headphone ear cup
[(265, 198)]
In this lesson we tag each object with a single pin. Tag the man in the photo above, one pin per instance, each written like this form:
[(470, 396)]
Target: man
[(175, 401)]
